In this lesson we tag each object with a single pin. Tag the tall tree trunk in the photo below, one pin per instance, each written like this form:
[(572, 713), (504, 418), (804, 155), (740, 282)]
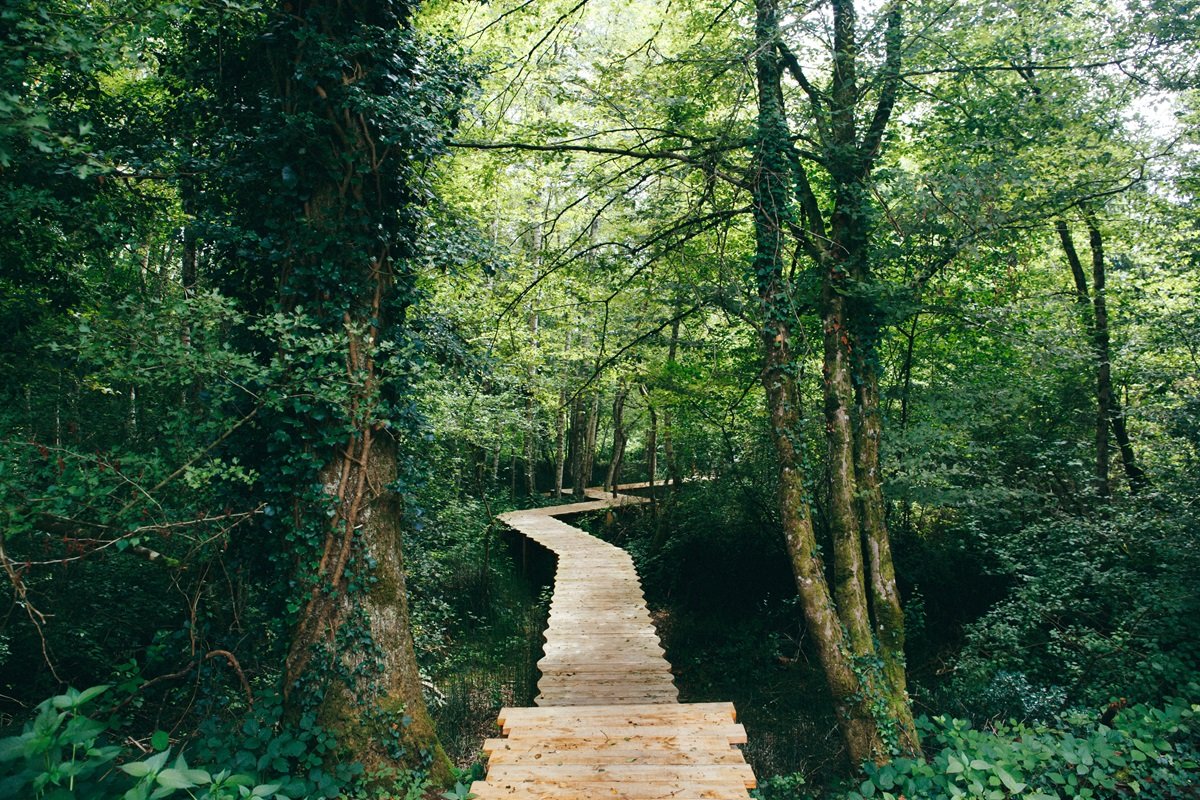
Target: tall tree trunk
[(651, 441), (1133, 470), (1103, 362), (618, 447), (579, 422), (529, 446), (512, 476), (823, 619), (872, 702), (189, 272), (886, 610), (367, 711), (560, 436), (368, 693), (591, 425), (530, 397), (673, 476), (1093, 312), (849, 585)]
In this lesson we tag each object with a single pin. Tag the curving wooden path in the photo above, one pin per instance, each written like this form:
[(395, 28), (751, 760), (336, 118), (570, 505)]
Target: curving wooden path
[(608, 721)]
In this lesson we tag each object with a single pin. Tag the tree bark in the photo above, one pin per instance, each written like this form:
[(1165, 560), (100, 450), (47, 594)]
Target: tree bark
[(529, 446), (370, 694), (530, 449), (651, 442), (578, 443), (1093, 312), (886, 610), (619, 438), (848, 571), (874, 710), (591, 425), (673, 476), (823, 619), (1103, 362), (560, 437)]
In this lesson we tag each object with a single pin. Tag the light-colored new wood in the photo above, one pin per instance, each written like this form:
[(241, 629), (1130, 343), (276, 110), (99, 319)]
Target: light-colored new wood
[(608, 723)]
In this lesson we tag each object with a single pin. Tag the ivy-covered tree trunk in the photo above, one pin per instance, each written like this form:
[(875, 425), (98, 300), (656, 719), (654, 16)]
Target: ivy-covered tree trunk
[(344, 270), (822, 617), (857, 624)]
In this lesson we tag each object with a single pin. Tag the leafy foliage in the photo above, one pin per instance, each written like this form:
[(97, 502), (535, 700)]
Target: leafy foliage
[(1149, 751), (61, 754)]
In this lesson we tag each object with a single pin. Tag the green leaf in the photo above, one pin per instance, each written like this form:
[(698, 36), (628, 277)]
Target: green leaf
[(174, 779), (12, 747), (91, 694), (1010, 783), (160, 740)]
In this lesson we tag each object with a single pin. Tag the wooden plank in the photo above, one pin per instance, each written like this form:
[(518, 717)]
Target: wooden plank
[(606, 644), (611, 790), (642, 663), (625, 773), (611, 640), (613, 683), (733, 733), (580, 700), (715, 712), (597, 692), (637, 744), (642, 751), (642, 659), (576, 622)]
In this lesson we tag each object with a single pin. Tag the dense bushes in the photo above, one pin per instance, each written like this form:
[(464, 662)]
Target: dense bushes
[(1151, 752), (65, 754), (1095, 601)]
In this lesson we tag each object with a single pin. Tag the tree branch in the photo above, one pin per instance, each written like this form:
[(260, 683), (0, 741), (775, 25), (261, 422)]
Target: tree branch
[(645, 155), (815, 99), (873, 140)]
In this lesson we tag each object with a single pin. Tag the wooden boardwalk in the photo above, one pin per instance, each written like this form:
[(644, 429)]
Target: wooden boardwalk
[(608, 721)]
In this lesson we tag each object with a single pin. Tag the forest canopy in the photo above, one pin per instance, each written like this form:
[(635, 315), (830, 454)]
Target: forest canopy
[(888, 309)]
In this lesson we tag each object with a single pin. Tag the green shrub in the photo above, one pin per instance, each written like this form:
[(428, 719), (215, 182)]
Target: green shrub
[(300, 756), (1100, 607), (60, 755), (1146, 752)]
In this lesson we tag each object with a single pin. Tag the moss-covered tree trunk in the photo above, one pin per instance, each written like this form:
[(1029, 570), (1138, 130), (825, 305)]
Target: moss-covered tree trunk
[(343, 268), (857, 624)]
